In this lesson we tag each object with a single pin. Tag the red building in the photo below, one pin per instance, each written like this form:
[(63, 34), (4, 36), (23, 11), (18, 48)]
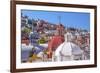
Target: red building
[(56, 40), (25, 41), (54, 43)]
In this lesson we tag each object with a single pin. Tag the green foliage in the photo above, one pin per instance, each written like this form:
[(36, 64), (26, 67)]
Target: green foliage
[(26, 30), (41, 41)]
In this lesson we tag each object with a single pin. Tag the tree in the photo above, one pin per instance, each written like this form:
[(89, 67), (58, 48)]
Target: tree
[(26, 30)]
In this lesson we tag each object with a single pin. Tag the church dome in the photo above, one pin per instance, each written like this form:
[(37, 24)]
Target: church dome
[(68, 49)]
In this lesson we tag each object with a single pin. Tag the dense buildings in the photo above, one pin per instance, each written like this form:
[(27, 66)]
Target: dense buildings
[(40, 39)]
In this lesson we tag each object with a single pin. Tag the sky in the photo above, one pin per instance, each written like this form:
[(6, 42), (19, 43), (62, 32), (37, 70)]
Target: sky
[(68, 19)]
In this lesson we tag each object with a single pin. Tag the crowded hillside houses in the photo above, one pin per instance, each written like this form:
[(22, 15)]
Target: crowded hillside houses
[(42, 41)]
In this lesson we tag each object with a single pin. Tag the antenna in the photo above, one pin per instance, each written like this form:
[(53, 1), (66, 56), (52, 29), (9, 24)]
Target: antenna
[(59, 18)]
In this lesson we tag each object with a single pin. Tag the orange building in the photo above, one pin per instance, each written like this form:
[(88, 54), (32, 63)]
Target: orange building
[(60, 29)]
